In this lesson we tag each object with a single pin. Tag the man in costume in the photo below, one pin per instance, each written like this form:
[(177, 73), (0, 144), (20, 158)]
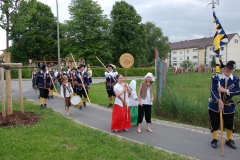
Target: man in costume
[(53, 78), (43, 82), (82, 78), (229, 88), (110, 75)]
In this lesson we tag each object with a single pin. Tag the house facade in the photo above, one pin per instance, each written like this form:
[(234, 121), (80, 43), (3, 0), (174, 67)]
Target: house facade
[(199, 51)]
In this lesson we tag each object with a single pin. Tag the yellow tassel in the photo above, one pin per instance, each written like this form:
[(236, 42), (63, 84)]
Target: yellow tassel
[(214, 134), (111, 102), (229, 134), (41, 100), (84, 99)]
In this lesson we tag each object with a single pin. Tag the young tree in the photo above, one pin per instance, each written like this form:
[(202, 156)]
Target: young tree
[(87, 33), (128, 34), (38, 39), (213, 61), (187, 64), (155, 38)]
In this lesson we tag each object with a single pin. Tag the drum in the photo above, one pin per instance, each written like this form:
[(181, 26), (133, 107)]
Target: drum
[(76, 101)]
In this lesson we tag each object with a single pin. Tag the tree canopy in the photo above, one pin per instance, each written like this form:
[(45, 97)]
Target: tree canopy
[(128, 33), (87, 32), (38, 39), (155, 38)]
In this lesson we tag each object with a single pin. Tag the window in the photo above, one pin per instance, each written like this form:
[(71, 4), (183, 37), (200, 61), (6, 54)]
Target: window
[(180, 58), (210, 56), (174, 52), (195, 50), (195, 57), (187, 51), (236, 40), (174, 64), (222, 48), (211, 48), (180, 52), (174, 58), (187, 58)]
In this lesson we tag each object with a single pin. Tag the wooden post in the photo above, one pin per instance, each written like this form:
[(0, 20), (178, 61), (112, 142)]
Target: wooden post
[(20, 89), (8, 86), (2, 90)]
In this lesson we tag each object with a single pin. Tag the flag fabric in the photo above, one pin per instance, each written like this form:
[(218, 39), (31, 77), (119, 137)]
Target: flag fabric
[(220, 37)]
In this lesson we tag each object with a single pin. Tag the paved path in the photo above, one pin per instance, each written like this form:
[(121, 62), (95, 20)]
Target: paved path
[(178, 138)]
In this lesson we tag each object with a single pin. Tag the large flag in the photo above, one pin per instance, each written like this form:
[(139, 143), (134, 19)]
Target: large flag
[(220, 37)]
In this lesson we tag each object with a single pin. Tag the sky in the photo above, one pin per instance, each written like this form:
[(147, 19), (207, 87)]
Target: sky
[(179, 19)]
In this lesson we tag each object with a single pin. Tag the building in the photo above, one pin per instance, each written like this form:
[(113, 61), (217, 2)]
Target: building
[(199, 51)]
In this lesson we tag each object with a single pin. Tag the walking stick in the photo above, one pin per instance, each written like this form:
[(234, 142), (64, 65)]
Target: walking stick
[(82, 82), (105, 68), (53, 84), (221, 125)]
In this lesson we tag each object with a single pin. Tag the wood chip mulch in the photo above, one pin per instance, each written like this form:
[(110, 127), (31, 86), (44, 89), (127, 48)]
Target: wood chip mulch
[(17, 118)]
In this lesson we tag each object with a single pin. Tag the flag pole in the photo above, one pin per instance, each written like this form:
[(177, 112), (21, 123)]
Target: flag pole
[(218, 68)]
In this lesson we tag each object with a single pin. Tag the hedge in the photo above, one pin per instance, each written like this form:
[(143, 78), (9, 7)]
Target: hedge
[(97, 72)]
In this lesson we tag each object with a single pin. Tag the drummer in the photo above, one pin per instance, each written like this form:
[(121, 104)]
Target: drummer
[(66, 92)]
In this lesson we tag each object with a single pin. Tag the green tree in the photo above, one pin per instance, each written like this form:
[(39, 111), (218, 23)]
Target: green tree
[(14, 15), (128, 33), (38, 40), (187, 64), (155, 38), (213, 61), (87, 33)]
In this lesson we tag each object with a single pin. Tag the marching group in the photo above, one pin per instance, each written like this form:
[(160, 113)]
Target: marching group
[(129, 107)]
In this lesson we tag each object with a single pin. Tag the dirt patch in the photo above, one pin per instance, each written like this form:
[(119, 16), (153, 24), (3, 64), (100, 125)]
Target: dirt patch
[(18, 118)]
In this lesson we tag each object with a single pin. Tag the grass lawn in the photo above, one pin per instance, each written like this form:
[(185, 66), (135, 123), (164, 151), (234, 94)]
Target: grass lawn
[(57, 137)]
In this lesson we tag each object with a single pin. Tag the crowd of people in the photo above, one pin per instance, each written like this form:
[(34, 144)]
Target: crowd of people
[(129, 107)]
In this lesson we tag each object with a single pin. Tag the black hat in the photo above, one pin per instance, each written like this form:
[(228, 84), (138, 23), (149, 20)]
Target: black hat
[(43, 67), (81, 65), (231, 65), (73, 69), (113, 66)]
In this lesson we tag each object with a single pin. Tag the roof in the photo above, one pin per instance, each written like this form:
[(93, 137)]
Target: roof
[(196, 43)]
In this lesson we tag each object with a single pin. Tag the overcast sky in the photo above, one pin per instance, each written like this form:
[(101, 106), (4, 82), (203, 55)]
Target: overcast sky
[(179, 19)]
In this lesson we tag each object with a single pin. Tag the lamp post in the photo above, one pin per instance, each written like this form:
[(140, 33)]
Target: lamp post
[(58, 38)]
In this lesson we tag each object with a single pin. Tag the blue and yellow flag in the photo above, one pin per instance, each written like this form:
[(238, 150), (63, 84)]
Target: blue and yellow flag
[(220, 37)]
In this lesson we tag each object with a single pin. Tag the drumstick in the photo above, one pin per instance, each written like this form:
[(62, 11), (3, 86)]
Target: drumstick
[(82, 82)]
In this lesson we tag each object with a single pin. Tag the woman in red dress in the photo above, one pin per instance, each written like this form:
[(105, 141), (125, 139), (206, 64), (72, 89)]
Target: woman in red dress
[(121, 119)]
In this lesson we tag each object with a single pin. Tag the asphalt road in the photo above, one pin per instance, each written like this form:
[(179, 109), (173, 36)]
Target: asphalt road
[(178, 138)]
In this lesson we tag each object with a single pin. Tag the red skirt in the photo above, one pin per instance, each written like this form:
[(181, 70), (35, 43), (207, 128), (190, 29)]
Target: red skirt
[(120, 118)]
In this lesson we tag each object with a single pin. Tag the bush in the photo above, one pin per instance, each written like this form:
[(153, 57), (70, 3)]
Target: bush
[(99, 72)]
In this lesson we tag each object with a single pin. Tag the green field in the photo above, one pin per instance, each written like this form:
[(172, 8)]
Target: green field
[(61, 138), (190, 91)]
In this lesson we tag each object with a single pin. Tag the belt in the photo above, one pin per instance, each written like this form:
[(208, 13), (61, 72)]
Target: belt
[(225, 102)]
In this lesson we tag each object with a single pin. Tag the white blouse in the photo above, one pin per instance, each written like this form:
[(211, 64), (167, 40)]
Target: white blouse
[(118, 88), (147, 100), (67, 92), (132, 99)]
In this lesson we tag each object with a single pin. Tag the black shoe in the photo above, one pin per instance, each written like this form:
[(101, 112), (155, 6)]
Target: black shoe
[(41, 106), (38, 97), (48, 97), (45, 105), (84, 104), (110, 105), (80, 108), (214, 143), (52, 96), (231, 144)]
